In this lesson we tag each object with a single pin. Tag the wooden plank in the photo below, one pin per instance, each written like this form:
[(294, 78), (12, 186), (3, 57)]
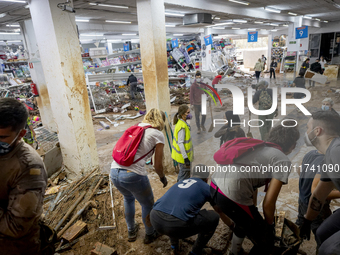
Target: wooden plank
[(74, 231)]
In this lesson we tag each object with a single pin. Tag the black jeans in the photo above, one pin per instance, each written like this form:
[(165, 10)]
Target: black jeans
[(133, 89), (248, 222), (257, 74), (328, 235), (272, 72), (197, 109), (204, 224)]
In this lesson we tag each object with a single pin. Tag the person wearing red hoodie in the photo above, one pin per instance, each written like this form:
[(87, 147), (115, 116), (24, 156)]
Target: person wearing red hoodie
[(196, 101)]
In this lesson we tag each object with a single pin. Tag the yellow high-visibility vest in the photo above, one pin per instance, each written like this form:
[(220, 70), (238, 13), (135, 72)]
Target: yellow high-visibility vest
[(176, 152)]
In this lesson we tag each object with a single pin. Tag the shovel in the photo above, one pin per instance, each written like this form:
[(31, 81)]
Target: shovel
[(212, 120), (249, 134)]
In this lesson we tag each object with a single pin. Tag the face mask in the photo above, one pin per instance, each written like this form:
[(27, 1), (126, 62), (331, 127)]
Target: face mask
[(5, 147), (198, 79), (325, 107), (307, 140)]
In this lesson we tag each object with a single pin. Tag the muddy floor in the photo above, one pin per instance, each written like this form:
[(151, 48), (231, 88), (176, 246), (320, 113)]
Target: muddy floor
[(117, 238)]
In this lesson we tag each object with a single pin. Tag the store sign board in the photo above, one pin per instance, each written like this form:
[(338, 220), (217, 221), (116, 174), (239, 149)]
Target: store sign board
[(301, 32), (252, 36), (208, 40), (174, 42), (126, 47)]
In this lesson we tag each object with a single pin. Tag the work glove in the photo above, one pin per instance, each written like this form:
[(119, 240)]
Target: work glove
[(187, 162), (164, 181), (305, 229)]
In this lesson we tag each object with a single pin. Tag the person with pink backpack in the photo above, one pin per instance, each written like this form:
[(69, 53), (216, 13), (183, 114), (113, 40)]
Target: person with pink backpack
[(128, 173), (250, 164)]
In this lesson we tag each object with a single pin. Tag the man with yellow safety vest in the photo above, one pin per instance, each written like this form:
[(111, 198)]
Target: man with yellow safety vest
[(182, 150)]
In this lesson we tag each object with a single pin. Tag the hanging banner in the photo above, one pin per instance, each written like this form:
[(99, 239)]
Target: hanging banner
[(301, 32), (252, 36), (126, 47), (208, 40), (174, 42)]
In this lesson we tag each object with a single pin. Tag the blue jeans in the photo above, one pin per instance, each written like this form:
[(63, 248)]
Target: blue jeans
[(134, 186)]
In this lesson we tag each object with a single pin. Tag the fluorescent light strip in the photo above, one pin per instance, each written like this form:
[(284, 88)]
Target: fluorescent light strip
[(219, 28), (2, 15), (292, 13), (272, 10), (118, 21), (221, 24), (235, 28), (258, 22), (4, 33), (174, 14), (217, 18), (239, 2), (110, 5), (239, 21), (285, 25), (170, 25), (307, 17), (129, 34), (92, 35), (317, 19), (325, 21), (178, 34), (82, 20), (12, 25), (252, 29), (12, 41), (273, 30), (274, 24), (14, 1)]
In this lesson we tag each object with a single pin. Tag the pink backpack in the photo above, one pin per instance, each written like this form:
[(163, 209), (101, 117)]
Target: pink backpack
[(125, 149), (235, 148)]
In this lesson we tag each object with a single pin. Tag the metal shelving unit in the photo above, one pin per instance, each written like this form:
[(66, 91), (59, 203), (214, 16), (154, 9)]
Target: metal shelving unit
[(123, 53), (104, 68)]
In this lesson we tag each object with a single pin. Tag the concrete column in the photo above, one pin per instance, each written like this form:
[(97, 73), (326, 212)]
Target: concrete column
[(59, 48), (37, 74), (206, 62), (152, 35)]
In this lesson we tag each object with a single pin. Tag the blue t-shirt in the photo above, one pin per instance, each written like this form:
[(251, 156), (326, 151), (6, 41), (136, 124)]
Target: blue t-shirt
[(185, 199), (311, 165)]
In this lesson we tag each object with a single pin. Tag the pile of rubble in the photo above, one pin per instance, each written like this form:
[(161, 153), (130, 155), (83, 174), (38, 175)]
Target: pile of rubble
[(79, 209)]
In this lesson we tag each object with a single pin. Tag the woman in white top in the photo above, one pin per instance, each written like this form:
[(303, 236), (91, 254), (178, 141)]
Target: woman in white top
[(322, 62), (132, 181)]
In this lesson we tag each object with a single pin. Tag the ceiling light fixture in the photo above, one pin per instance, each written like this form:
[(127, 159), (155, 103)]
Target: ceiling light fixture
[(274, 24), (217, 18), (91, 34), (325, 21), (13, 41), (258, 22), (14, 1), (178, 34), (174, 14), (252, 29), (285, 25), (170, 25), (239, 21), (118, 21), (5, 33), (239, 2), (218, 28), (292, 13), (82, 20), (110, 5), (118, 40), (307, 17), (273, 30), (12, 25), (272, 9), (2, 15), (317, 19), (235, 28), (221, 24), (129, 34)]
